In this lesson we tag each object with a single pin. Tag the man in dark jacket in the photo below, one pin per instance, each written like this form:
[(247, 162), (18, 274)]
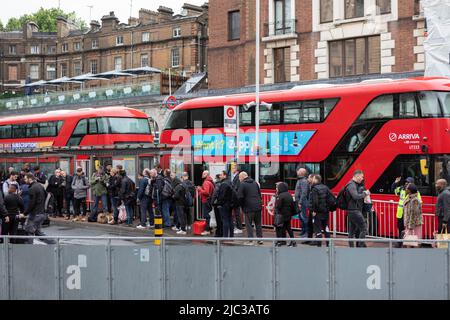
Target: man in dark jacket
[(301, 198), (14, 206), (35, 212), (179, 198), (284, 210), (442, 204), (157, 185), (216, 205), (40, 176), (355, 200), (189, 187), (319, 208), (56, 188), (249, 195), (145, 200), (127, 195), (235, 183), (224, 205), (68, 193), (114, 184)]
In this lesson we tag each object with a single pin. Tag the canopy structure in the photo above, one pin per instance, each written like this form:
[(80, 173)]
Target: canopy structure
[(142, 70), (87, 77), (62, 80), (112, 74), (39, 83)]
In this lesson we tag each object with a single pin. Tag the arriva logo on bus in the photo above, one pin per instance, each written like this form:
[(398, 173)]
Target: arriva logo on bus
[(404, 136)]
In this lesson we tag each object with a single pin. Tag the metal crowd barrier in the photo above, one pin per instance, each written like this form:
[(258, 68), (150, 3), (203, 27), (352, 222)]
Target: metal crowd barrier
[(110, 268)]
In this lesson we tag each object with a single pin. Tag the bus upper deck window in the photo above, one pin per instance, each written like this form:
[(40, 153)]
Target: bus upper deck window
[(380, 108), (429, 105), (444, 97)]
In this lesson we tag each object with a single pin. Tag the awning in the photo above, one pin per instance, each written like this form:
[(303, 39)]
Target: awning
[(87, 77), (112, 74), (39, 83), (142, 70), (62, 80)]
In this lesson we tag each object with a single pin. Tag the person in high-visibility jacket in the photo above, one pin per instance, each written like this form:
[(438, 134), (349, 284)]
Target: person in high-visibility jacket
[(400, 190)]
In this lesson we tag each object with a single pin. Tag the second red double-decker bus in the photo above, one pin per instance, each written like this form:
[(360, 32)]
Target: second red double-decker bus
[(384, 127)]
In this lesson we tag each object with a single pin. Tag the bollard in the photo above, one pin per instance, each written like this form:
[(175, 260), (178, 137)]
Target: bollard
[(158, 224)]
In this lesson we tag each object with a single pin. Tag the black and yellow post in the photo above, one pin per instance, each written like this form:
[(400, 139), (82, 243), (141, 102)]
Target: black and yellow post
[(158, 225)]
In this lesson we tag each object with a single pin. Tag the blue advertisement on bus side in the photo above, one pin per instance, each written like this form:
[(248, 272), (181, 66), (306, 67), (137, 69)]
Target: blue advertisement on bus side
[(286, 143)]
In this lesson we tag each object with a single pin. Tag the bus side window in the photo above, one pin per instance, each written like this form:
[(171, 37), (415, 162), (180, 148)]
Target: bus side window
[(81, 128), (429, 105), (408, 106), (380, 108)]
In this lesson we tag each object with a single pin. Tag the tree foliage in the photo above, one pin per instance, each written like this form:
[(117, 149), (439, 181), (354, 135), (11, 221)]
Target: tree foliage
[(46, 19), (1, 26)]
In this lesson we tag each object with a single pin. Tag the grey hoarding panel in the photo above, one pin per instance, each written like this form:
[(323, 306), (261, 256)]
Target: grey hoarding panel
[(302, 273), (136, 272), (190, 272), (3, 274), (84, 272), (246, 273), (33, 272), (362, 273), (420, 273)]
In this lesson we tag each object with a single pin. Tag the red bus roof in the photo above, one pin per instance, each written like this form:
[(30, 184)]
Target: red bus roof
[(381, 86), (79, 113)]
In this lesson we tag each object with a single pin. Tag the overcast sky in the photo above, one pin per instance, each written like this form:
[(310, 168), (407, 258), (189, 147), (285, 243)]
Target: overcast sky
[(101, 7)]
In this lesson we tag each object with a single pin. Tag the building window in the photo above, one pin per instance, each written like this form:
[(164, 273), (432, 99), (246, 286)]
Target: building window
[(94, 67), (176, 32), (144, 60), (234, 25), (118, 63), (175, 57), (283, 22), (65, 47), (77, 68), (383, 6), (119, 40), (326, 11), (354, 9), (34, 71), (34, 49), (354, 56), (282, 64), (94, 44), (145, 36), (51, 72), (13, 49), (77, 46), (417, 7), (63, 70), (51, 49), (12, 73)]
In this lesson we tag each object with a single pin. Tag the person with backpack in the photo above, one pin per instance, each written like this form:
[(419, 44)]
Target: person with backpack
[(190, 196), (56, 188), (301, 199), (225, 205), (322, 202), (127, 196), (166, 196), (12, 180), (98, 186), (179, 197), (215, 204), (206, 192), (40, 176), (250, 199), (284, 210), (80, 186), (235, 183), (68, 193), (144, 199), (353, 195)]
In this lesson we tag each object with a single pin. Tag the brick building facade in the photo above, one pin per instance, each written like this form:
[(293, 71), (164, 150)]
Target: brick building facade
[(159, 39), (313, 39)]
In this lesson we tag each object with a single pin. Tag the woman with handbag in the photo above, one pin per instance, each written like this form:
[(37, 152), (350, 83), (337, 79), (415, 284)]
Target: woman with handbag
[(412, 215), (284, 210)]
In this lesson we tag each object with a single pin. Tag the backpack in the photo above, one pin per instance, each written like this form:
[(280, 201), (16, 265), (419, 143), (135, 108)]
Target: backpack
[(188, 198), (342, 198), (331, 201), (148, 188), (167, 191)]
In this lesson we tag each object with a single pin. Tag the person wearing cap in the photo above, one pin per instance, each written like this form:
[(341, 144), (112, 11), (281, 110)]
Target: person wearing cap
[(400, 190), (412, 213)]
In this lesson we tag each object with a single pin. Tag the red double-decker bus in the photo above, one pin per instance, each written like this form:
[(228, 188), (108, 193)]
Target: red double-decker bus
[(387, 128), (71, 130)]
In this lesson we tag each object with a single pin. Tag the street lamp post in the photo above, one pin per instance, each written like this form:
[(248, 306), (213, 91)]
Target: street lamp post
[(2, 69), (258, 25)]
